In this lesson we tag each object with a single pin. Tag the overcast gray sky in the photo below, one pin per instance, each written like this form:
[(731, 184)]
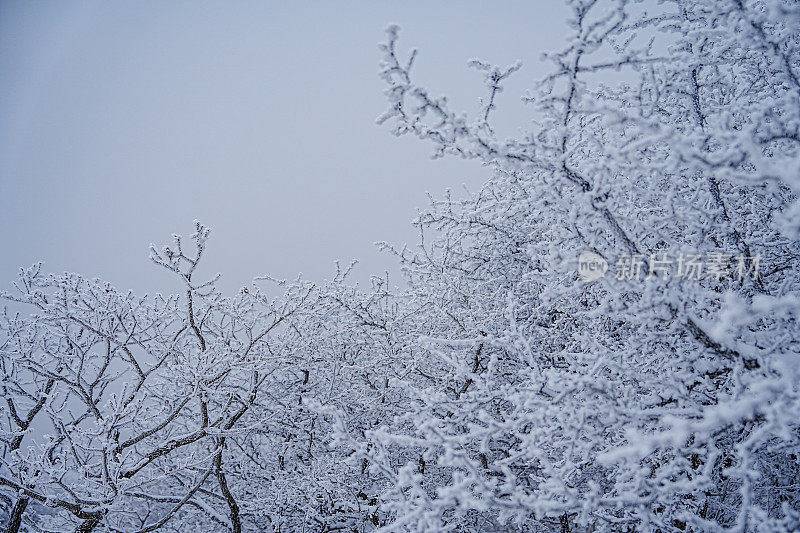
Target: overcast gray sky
[(120, 123)]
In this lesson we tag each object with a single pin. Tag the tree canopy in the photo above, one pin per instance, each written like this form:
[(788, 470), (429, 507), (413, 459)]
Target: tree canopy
[(496, 389)]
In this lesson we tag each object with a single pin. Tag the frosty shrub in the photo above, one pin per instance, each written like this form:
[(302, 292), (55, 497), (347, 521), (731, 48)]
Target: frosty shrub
[(657, 403)]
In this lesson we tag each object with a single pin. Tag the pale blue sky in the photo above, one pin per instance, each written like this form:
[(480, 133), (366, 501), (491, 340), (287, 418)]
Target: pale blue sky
[(120, 123)]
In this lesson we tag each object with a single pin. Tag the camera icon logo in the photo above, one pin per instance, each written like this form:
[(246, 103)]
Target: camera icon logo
[(591, 266)]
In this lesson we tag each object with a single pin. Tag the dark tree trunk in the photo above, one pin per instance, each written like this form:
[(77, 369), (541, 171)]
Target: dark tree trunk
[(15, 517), (87, 525)]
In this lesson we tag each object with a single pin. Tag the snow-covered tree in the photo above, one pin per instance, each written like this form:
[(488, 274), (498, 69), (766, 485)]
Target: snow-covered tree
[(666, 401), (127, 413), (353, 343)]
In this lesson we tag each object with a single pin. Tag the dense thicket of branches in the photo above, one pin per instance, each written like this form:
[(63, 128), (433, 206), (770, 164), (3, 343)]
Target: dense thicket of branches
[(496, 391)]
